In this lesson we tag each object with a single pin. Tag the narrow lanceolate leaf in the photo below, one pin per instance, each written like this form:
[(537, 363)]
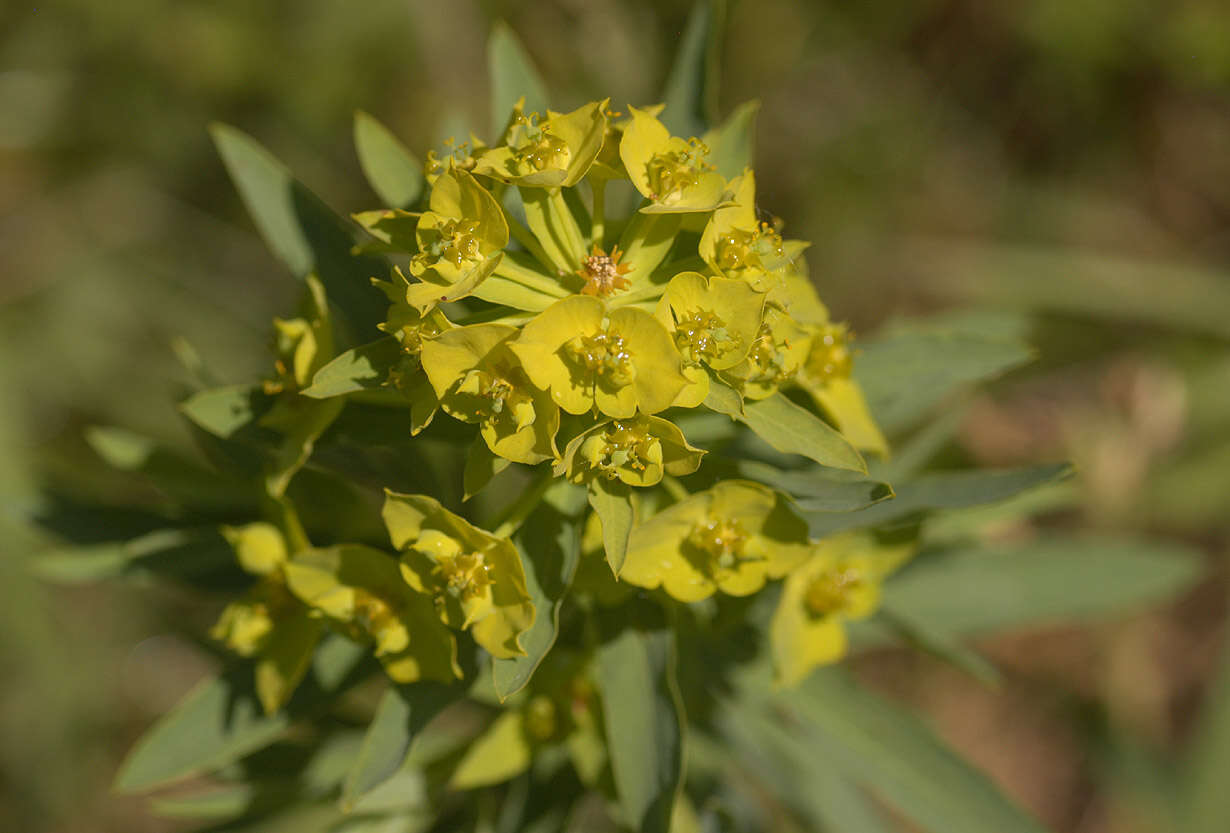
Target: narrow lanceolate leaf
[(512, 75), (1205, 797), (897, 757), (732, 144), (792, 429), (691, 88), (941, 490), (1051, 581), (789, 767), (644, 721), (301, 230), (550, 545), (393, 172), (362, 368), (818, 489), (905, 375), (403, 712), (221, 720), (612, 501)]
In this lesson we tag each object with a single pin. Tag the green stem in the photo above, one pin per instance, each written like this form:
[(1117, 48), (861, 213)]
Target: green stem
[(532, 278), (510, 520), (566, 225), (598, 218), (527, 239)]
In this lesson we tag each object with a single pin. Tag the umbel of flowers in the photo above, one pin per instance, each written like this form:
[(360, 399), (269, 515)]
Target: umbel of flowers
[(582, 347)]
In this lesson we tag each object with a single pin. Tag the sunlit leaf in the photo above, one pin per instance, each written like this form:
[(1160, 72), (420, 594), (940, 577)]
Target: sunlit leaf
[(393, 172)]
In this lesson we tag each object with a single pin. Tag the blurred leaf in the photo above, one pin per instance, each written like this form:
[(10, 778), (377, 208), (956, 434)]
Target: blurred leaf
[(403, 712), (224, 411), (362, 368), (182, 553), (919, 634), (393, 172), (1205, 799), (792, 429), (612, 501), (893, 753), (302, 231), (691, 88), (941, 490), (788, 766), (227, 802), (644, 721), (1075, 282), (501, 752), (903, 376), (179, 478), (550, 546), (980, 589), (732, 145), (512, 75), (220, 721)]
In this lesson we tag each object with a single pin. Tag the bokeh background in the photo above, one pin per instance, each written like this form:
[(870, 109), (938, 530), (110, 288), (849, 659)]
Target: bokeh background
[(1069, 160)]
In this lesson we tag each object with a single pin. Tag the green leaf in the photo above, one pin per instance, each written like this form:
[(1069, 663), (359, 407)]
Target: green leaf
[(184, 553), (512, 75), (820, 489), (221, 720), (550, 546), (723, 399), (941, 490), (893, 753), (732, 145), (301, 230), (224, 411), (1206, 799), (612, 501), (1060, 580), (905, 375), (481, 466), (792, 429), (788, 766), (180, 478), (919, 633), (1074, 282), (395, 175), (402, 713), (362, 368), (644, 719), (691, 88)]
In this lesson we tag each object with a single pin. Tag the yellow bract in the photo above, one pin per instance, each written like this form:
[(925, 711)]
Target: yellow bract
[(840, 581), (474, 579), (732, 538), (591, 358)]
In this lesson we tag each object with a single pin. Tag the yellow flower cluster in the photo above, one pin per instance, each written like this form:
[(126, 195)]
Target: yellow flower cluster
[(576, 341)]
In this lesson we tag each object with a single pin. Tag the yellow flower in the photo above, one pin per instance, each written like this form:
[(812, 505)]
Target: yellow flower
[(732, 538), (636, 451), (361, 589), (478, 380), (460, 241), (546, 153), (670, 172), (840, 581), (616, 361), (475, 579), (778, 351)]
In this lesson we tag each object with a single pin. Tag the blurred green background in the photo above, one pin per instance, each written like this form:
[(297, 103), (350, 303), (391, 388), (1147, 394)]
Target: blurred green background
[(1066, 159)]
